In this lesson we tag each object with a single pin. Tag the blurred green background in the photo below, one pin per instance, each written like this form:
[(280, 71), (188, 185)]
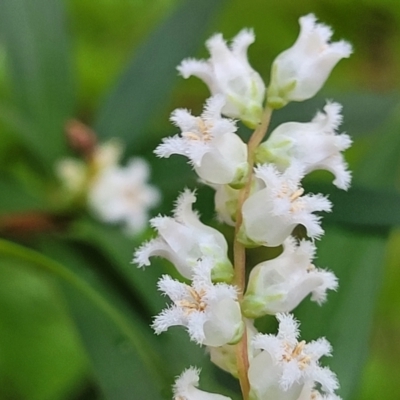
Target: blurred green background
[(111, 64)]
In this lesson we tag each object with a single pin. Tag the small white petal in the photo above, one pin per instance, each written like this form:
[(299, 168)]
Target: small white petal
[(185, 387)]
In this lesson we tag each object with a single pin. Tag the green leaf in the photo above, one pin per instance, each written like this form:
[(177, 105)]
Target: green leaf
[(363, 113), (361, 206), (35, 37), (151, 75), (41, 358), (117, 249), (122, 355)]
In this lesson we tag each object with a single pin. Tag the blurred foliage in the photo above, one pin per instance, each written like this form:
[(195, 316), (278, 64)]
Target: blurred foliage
[(111, 64)]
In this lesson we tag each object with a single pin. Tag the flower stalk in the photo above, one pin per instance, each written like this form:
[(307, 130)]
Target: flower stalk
[(239, 251)]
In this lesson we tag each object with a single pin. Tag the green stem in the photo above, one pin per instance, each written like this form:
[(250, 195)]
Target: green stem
[(239, 251), (45, 263)]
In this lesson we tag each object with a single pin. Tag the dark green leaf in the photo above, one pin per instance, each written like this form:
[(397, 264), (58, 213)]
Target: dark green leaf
[(363, 113), (362, 207), (149, 78)]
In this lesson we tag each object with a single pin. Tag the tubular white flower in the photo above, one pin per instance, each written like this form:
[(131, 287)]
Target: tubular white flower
[(122, 194), (228, 72), (217, 154), (185, 387), (210, 312), (313, 145), (270, 214), (286, 366), (183, 240), (299, 72), (279, 285)]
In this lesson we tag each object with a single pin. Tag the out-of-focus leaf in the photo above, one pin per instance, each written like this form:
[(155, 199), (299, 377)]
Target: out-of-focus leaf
[(123, 358), (118, 249), (41, 358), (149, 78), (15, 198), (35, 36), (361, 206), (363, 113)]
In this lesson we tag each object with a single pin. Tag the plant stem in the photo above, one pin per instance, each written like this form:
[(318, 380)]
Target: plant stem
[(239, 251)]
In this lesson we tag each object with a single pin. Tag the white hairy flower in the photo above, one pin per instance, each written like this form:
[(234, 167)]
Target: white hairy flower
[(299, 72), (228, 72), (122, 194), (313, 145), (183, 240), (185, 387), (271, 214), (285, 365), (217, 154), (210, 312), (279, 285)]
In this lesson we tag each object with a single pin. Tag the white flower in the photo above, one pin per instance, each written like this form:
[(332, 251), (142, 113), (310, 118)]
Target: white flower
[(271, 214), (210, 312), (286, 365), (122, 194), (72, 174), (77, 175), (299, 72), (225, 356), (313, 145), (228, 72), (217, 154), (279, 285), (183, 240), (185, 387)]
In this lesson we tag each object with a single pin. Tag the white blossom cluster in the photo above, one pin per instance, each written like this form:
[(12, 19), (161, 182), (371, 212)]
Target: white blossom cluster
[(113, 193), (259, 191)]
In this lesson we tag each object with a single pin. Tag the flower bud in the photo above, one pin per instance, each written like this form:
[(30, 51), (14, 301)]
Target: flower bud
[(313, 145), (279, 285), (229, 73), (184, 239), (299, 72)]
